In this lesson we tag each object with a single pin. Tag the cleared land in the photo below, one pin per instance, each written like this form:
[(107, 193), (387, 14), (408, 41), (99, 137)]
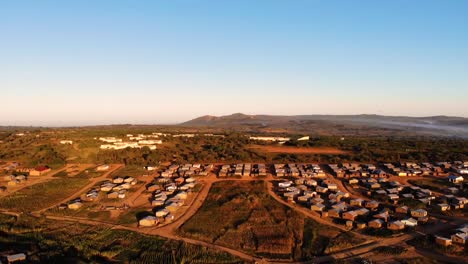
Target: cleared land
[(297, 150), (243, 216)]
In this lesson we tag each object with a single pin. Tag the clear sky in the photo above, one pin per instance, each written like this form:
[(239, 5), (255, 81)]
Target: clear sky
[(99, 62)]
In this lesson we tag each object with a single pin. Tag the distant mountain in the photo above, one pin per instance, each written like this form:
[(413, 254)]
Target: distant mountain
[(339, 124)]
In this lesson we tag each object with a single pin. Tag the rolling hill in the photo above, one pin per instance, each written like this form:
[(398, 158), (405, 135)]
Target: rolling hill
[(339, 124)]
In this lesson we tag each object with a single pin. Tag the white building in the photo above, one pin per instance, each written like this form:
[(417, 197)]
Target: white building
[(270, 138)]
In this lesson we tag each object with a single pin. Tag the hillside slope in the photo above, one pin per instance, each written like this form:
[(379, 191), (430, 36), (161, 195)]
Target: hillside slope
[(339, 124)]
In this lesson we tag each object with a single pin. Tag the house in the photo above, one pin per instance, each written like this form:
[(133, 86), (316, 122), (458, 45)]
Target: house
[(350, 215), (383, 215), (75, 205), (66, 142), (356, 202), (16, 257), (340, 206), (353, 181), (376, 223), (443, 207), (173, 206), (372, 204), (455, 179), (102, 168), (148, 221), (396, 225), (373, 185), (411, 222), (402, 209), (317, 200), (311, 182), (40, 170), (122, 194), (118, 180), (443, 241), (317, 207), (360, 225), (152, 187), (334, 213), (321, 189), (285, 184), (362, 211), (460, 201), (162, 213), (418, 213), (459, 238)]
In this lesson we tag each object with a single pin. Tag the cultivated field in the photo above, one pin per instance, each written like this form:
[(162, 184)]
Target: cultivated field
[(47, 241), (42, 195), (243, 216)]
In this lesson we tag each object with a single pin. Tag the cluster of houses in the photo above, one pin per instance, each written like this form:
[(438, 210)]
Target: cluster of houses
[(13, 180), (355, 170), (393, 192), (138, 141), (408, 169), (243, 169), (298, 170), (186, 170), (116, 188), (271, 139), (168, 194), (194, 135), (402, 169), (460, 236), (323, 197), (36, 171)]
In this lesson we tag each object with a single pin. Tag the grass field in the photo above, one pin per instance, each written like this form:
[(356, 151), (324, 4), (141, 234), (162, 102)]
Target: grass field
[(130, 170), (47, 241), (42, 195)]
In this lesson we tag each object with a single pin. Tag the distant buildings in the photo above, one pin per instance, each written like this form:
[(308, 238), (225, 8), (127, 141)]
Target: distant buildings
[(276, 139)]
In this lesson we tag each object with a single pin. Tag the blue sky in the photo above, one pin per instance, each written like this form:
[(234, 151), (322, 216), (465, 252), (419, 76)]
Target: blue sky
[(101, 62)]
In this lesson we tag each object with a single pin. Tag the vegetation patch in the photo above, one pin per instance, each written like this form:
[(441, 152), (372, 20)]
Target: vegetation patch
[(42, 195), (243, 216), (46, 241), (390, 250)]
